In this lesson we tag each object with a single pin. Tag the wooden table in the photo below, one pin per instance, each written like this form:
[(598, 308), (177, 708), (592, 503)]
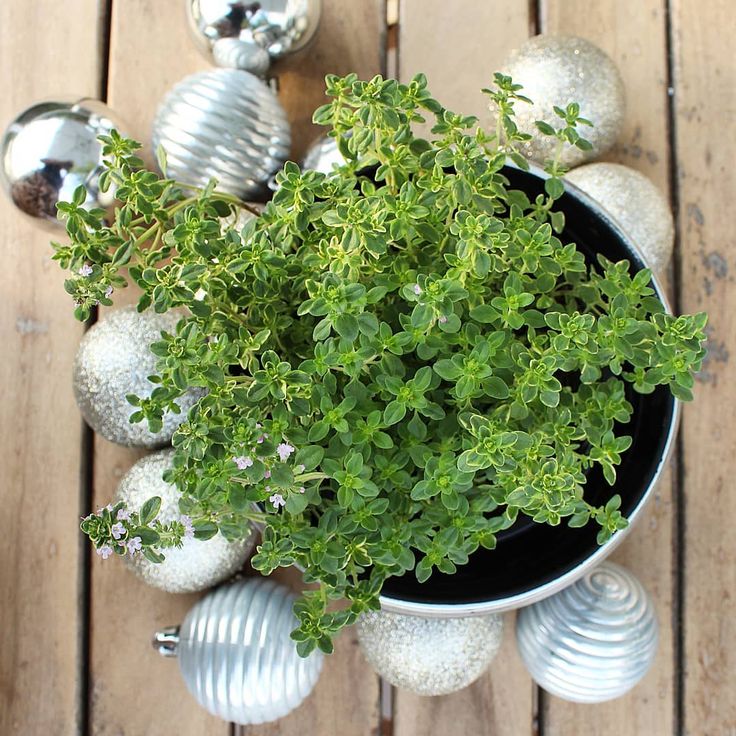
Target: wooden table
[(74, 637)]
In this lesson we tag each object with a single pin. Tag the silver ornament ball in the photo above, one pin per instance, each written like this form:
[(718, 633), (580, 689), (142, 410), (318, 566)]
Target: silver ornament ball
[(557, 70), (636, 203), (429, 656), (592, 641), (323, 155), (114, 360), (49, 150), (277, 27), (236, 654), (194, 566), (232, 53), (226, 124)]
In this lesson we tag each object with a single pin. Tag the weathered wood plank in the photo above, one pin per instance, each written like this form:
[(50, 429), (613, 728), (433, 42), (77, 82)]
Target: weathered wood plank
[(40, 429), (705, 101), (633, 33), (458, 46)]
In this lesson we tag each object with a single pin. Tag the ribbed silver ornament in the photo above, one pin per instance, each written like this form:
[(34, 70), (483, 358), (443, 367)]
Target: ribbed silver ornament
[(323, 155), (226, 124), (592, 641), (236, 654)]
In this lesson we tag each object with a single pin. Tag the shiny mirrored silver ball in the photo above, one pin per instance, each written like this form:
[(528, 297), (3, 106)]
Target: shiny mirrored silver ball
[(635, 203), (225, 124), (429, 656), (323, 155), (194, 566), (557, 70), (277, 27), (114, 360), (236, 654), (594, 640), (49, 150)]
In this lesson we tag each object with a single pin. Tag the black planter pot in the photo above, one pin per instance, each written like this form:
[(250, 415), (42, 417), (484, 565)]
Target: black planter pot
[(532, 561)]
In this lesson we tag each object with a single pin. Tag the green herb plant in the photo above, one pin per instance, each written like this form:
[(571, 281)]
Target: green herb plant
[(398, 358)]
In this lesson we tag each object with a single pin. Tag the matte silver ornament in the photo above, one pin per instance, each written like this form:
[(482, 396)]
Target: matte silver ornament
[(236, 654), (226, 124), (592, 641), (636, 203), (194, 566), (279, 27), (49, 150), (429, 656), (114, 360), (557, 70), (323, 155)]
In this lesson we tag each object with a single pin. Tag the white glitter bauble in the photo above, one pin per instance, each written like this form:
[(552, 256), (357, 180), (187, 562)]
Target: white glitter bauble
[(636, 203), (429, 656), (236, 654), (557, 70), (197, 564), (114, 360), (225, 124), (594, 640)]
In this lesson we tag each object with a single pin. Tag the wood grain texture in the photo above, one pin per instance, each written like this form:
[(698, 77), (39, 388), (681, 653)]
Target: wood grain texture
[(633, 33), (40, 429), (705, 104), (458, 46)]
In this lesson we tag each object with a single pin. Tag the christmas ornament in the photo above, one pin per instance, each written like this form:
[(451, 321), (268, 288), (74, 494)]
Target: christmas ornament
[(195, 565), (236, 654), (636, 203), (232, 53), (49, 150), (226, 124), (557, 70), (114, 360), (429, 656), (323, 155), (276, 27), (594, 640)]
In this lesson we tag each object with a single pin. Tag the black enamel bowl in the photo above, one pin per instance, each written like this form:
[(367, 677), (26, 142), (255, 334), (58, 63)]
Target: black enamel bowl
[(532, 561)]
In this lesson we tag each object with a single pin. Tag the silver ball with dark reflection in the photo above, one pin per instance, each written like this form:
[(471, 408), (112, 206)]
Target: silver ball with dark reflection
[(197, 564), (278, 27), (49, 150), (113, 360), (429, 656), (557, 70), (636, 203)]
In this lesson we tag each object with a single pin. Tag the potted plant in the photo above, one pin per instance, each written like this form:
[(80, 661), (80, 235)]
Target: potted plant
[(444, 381)]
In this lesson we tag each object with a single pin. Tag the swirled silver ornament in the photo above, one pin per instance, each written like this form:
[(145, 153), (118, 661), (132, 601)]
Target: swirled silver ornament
[(429, 656), (278, 27), (636, 203), (49, 150), (592, 641), (226, 124), (114, 360), (232, 53), (197, 564), (557, 70), (236, 654), (323, 155)]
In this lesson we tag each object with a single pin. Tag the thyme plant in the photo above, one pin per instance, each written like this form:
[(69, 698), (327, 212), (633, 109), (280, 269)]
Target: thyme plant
[(399, 358)]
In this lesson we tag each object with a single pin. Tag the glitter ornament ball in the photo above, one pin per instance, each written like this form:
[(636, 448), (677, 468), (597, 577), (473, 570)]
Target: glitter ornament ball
[(323, 155), (236, 654), (557, 70), (196, 565), (636, 203), (226, 124), (592, 641), (49, 150), (275, 27), (114, 360), (429, 656)]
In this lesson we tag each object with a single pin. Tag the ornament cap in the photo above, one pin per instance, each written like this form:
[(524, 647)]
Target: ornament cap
[(166, 641)]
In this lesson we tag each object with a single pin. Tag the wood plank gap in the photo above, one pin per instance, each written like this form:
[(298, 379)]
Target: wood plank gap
[(386, 694), (679, 522), (105, 23), (538, 707), (536, 12)]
